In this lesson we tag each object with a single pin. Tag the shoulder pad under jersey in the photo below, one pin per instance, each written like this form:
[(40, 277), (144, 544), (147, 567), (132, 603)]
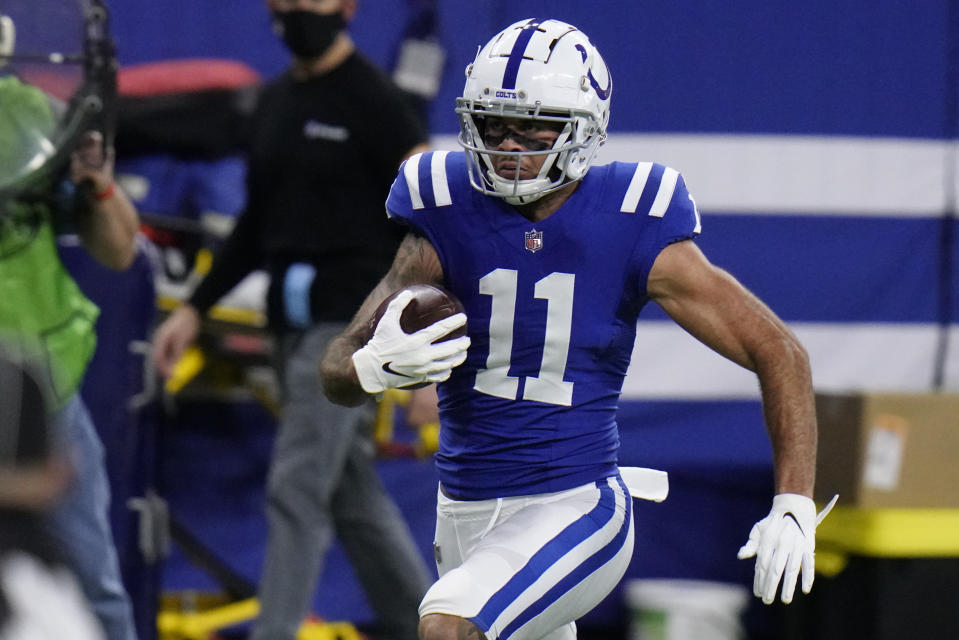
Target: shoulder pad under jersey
[(655, 190), (428, 180)]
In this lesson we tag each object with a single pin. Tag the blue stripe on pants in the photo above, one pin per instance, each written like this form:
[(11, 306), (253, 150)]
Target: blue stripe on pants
[(593, 563), (555, 549)]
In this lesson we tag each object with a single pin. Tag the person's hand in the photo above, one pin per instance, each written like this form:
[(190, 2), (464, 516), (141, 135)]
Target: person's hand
[(396, 359), (784, 543), (92, 161), (173, 337)]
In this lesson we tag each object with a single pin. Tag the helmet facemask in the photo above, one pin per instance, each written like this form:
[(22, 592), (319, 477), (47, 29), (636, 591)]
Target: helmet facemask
[(543, 72), (566, 160)]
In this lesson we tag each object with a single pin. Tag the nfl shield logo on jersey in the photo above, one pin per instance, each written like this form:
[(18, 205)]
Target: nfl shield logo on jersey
[(534, 240)]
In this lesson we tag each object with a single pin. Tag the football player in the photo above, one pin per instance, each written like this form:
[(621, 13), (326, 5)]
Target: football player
[(553, 259)]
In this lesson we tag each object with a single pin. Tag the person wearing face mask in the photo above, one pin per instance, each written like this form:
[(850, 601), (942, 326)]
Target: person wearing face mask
[(324, 145)]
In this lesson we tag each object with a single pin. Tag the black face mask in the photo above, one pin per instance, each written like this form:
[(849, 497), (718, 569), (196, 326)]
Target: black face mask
[(306, 33)]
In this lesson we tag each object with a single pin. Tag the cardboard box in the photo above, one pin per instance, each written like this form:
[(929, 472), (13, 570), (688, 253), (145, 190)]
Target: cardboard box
[(888, 450)]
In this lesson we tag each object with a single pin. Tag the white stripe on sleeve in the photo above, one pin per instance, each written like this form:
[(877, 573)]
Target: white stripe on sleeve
[(699, 220), (411, 171), (441, 187), (636, 186), (666, 188)]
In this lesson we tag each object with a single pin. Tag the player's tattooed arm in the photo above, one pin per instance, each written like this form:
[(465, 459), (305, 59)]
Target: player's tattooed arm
[(416, 262)]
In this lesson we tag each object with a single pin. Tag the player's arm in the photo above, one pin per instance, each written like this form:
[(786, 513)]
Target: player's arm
[(416, 262), (716, 309)]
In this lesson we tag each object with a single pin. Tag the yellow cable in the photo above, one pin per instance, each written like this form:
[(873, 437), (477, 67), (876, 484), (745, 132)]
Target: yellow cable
[(198, 625), (186, 368), (203, 261)]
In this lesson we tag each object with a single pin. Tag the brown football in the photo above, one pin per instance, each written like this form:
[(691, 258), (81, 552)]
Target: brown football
[(429, 304)]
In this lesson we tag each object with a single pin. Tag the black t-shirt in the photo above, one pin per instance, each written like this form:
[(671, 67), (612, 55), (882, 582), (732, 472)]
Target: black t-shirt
[(322, 155)]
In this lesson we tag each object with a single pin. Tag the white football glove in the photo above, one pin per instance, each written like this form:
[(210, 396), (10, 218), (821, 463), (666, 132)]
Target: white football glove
[(785, 542), (395, 359)]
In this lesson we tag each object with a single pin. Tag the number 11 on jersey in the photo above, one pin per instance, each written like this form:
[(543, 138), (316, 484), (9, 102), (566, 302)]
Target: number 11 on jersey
[(548, 386)]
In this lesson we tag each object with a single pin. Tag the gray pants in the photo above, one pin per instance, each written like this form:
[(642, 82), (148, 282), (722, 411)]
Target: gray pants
[(323, 480)]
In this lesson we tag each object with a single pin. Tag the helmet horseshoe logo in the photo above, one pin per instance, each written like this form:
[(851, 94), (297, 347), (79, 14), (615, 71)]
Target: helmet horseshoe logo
[(602, 93)]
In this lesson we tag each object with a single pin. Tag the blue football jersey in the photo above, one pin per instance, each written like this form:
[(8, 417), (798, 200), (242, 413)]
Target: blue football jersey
[(552, 309)]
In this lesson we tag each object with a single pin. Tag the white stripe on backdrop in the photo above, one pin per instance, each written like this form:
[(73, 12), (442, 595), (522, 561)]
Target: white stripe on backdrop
[(668, 363), (772, 175)]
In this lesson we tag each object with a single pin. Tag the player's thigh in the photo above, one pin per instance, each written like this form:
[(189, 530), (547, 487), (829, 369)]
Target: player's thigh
[(539, 567), (460, 525)]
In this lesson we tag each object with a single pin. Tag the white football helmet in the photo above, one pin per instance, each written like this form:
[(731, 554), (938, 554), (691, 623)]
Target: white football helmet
[(537, 70)]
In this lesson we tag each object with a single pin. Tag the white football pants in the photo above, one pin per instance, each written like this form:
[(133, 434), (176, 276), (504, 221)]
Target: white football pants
[(527, 567)]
